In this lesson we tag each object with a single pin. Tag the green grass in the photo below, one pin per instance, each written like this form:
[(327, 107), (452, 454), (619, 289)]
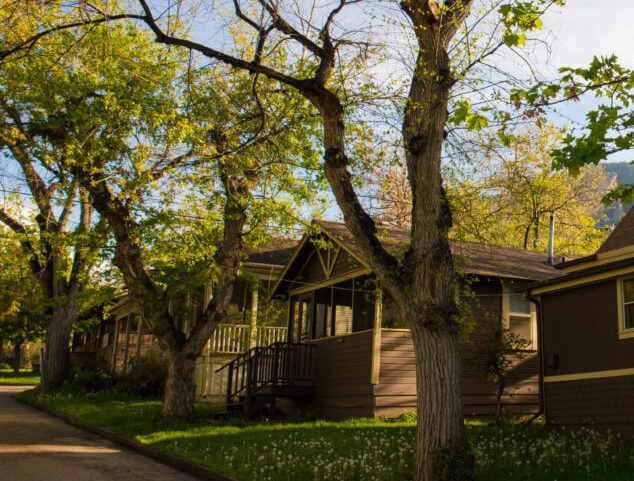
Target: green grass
[(364, 449), (25, 378)]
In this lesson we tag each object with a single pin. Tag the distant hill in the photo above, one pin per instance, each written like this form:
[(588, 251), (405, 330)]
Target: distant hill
[(624, 172)]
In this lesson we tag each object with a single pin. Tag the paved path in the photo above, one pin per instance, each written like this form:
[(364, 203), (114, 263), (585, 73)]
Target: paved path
[(38, 447)]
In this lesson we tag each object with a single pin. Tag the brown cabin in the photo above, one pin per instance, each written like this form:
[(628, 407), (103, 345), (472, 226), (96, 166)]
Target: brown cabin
[(118, 340), (349, 354), (587, 337)]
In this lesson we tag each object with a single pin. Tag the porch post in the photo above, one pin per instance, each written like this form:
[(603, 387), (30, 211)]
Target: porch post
[(376, 336), (139, 337), (115, 346), (127, 344), (253, 340)]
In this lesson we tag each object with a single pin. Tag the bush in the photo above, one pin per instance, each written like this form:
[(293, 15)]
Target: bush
[(146, 376), (91, 381)]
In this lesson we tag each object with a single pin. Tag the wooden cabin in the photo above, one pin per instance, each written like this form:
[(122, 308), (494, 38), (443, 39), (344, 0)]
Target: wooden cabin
[(587, 337), (357, 357), (254, 319)]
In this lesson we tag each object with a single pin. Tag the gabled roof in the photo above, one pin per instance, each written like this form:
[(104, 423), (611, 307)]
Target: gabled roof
[(622, 235), (614, 257), (276, 255), (469, 257), (618, 247)]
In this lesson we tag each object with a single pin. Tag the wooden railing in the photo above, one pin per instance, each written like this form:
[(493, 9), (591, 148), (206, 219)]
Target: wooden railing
[(236, 338), (280, 364)]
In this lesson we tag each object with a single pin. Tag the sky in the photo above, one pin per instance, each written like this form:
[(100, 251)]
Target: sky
[(581, 30), (584, 28)]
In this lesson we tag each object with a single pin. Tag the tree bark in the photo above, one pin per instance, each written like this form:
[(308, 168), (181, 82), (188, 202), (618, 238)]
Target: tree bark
[(17, 347), (178, 402), (442, 451), (56, 365)]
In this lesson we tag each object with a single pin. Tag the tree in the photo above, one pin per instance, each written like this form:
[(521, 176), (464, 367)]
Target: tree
[(147, 126), (422, 281), (21, 306), (245, 185), (508, 196), (609, 127), (503, 195), (60, 239)]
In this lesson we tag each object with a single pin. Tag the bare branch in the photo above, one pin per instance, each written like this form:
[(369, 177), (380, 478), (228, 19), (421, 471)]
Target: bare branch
[(64, 217)]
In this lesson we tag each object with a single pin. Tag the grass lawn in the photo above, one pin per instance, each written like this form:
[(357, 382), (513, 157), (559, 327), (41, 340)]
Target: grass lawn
[(25, 378), (364, 449)]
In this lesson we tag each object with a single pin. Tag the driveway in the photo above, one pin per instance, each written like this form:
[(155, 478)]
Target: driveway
[(38, 447)]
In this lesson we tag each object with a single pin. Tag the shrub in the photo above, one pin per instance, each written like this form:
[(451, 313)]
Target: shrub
[(146, 376), (91, 381)]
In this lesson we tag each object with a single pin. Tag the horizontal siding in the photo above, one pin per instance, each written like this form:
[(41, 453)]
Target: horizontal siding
[(396, 391), (342, 377), (600, 404)]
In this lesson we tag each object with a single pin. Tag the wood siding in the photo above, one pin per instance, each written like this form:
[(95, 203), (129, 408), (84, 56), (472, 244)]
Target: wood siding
[(581, 338), (342, 376), (599, 404), (580, 331), (522, 383), (396, 391)]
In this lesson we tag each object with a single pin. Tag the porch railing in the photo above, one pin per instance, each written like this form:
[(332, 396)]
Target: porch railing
[(280, 364), (237, 338)]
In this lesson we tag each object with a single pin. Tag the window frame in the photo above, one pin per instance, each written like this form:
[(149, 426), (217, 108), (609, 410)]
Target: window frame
[(624, 332), (507, 291)]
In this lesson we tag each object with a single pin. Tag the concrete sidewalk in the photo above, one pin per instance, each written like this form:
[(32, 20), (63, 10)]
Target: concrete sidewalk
[(37, 447)]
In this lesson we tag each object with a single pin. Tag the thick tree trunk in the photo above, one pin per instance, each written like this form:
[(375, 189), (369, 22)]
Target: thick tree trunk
[(178, 402), (442, 452), (17, 357), (56, 365)]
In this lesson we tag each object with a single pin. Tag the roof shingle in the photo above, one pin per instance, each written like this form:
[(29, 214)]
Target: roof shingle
[(469, 257)]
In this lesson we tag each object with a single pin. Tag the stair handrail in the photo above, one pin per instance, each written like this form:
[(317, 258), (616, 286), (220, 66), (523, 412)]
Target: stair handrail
[(278, 363)]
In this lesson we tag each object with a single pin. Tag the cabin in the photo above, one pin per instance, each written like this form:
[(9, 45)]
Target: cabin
[(348, 353), (254, 319), (586, 319)]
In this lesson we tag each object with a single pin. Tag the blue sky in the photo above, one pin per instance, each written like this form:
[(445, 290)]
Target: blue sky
[(581, 30), (584, 28)]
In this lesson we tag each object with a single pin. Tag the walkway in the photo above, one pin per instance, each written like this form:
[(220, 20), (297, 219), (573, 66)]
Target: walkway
[(37, 447)]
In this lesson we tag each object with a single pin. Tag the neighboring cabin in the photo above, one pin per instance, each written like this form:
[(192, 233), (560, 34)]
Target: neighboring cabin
[(254, 319), (363, 357), (587, 337)]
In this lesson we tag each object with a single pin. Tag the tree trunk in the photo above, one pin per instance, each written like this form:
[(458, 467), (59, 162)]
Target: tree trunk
[(17, 350), (178, 402), (56, 365), (442, 451)]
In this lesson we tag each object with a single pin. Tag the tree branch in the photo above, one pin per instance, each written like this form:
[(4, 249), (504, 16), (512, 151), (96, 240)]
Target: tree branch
[(32, 41), (17, 227)]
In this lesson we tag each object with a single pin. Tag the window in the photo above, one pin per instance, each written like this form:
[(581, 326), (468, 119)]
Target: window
[(519, 316), (628, 303)]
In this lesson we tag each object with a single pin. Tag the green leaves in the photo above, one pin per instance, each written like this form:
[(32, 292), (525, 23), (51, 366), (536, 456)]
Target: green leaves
[(463, 113), (508, 194), (521, 17), (609, 127)]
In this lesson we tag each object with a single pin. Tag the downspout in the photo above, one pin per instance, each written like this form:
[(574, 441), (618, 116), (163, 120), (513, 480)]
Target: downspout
[(540, 358)]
